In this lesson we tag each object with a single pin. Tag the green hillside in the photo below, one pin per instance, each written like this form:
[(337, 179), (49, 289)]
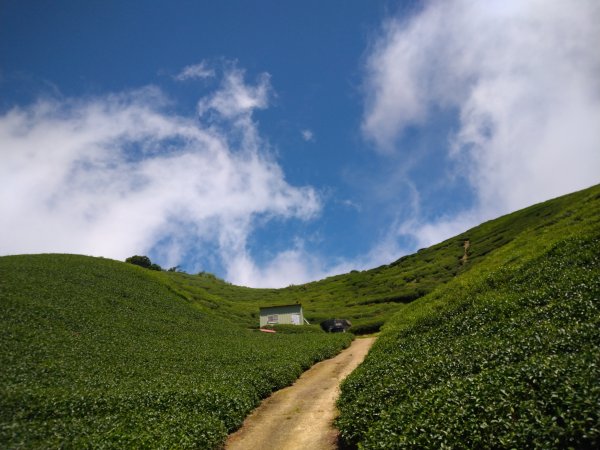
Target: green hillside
[(497, 326), (99, 353), (368, 298), (507, 356)]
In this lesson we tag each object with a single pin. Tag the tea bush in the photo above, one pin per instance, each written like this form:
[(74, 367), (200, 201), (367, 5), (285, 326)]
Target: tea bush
[(511, 360), (498, 349), (294, 329), (99, 354)]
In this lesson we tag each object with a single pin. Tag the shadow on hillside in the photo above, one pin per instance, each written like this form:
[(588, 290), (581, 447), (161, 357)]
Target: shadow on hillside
[(343, 445)]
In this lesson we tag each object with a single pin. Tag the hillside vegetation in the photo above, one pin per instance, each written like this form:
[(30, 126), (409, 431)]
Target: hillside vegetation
[(97, 353), (368, 298), (493, 343), (507, 356)]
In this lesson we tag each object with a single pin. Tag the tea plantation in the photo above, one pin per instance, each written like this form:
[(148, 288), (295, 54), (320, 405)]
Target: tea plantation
[(369, 298), (507, 356), (97, 353), (490, 340)]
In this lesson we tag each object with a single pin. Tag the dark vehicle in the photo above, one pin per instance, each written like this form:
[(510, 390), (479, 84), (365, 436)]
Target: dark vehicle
[(336, 325)]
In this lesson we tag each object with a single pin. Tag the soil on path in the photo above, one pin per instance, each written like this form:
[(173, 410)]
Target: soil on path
[(301, 416)]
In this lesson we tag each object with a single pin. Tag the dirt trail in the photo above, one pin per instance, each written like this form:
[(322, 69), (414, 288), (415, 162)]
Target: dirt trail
[(301, 416), (466, 246)]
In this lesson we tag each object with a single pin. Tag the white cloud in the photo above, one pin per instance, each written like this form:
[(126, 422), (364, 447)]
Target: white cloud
[(351, 204), (427, 233), (307, 135), (236, 99), (293, 266), (116, 175), (524, 79), (195, 72)]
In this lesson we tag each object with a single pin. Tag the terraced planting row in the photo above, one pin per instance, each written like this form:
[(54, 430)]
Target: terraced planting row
[(508, 358), (495, 344), (100, 354)]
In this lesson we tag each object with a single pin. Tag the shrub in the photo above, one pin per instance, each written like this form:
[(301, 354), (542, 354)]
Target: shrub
[(509, 359), (143, 261), (99, 354), (367, 328), (297, 329)]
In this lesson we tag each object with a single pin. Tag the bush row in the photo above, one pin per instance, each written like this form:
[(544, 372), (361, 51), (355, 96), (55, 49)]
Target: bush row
[(99, 354), (511, 361)]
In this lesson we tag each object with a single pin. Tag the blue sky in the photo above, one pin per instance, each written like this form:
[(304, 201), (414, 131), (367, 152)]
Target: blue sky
[(280, 142)]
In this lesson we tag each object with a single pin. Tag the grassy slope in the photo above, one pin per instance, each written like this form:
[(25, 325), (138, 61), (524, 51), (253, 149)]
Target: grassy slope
[(368, 298), (99, 353), (96, 351), (506, 356)]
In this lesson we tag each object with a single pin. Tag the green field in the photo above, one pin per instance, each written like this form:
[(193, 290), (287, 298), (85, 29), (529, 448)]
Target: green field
[(494, 345), (97, 353), (368, 298), (507, 356)]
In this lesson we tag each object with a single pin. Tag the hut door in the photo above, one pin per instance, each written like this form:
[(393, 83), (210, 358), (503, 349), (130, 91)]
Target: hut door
[(296, 319)]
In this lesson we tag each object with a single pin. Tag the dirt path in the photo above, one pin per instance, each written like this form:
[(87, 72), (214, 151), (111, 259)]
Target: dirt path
[(466, 246), (301, 416)]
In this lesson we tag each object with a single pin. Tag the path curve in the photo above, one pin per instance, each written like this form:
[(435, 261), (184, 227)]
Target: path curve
[(301, 416)]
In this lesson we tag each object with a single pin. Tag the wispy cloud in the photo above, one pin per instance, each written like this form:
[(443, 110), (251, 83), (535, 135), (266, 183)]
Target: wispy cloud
[(117, 175), (236, 99), (196, 71), (522, 77), (351, 204), (307, 135)]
